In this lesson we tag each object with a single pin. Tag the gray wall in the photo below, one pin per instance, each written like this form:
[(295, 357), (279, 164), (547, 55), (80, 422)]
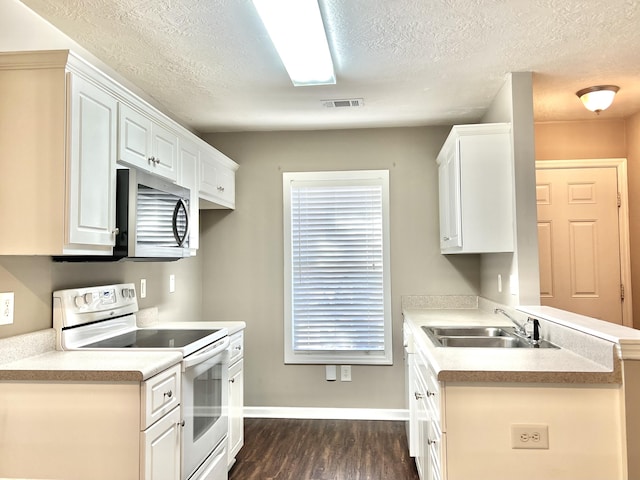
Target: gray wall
[(243, 253), (514, 104), (33, 279)]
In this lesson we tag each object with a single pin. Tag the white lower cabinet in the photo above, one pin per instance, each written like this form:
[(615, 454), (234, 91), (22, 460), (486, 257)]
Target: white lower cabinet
[(426, 405), (461, 430), (235, 436), (160, 446), (100, 430)]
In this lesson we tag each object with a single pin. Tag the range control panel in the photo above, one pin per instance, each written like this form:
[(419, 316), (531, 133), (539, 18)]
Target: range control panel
[(77, 306)]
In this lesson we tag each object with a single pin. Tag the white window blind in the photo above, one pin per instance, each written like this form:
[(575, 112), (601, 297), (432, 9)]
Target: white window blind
[(337, 277)]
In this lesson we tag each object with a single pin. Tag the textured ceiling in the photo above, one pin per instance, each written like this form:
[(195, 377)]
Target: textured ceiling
[(210, 63)]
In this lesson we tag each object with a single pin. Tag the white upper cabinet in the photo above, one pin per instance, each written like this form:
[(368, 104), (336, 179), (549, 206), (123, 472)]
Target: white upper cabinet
[(145, 144), (475, 172), (217, 180), (65, 126), (57, 153), (92, 116), (189, 161)]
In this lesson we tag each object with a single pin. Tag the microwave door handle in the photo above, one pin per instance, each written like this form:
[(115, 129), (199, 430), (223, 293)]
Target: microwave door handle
[(180, 204)]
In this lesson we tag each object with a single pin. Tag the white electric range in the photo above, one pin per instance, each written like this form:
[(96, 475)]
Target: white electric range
[(104, 318)]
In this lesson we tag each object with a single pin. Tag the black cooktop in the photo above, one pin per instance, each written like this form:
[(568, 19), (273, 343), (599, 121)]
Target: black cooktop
[(152, 338)]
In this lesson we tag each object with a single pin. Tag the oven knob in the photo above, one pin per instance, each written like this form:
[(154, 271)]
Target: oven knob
[(89, 297), (79, 301), (125, 292), (132, 293)]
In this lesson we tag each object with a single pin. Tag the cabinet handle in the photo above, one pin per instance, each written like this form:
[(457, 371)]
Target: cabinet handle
[(220, 188), (446, 239), (181, 424), (418, 395), (238, 347), (430, 394), (168, 394), (157, 161), (431, 442), (232, 380), (115, 231), (152, 160)]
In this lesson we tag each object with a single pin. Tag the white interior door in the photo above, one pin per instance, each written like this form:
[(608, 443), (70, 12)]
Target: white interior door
[(579, 241)]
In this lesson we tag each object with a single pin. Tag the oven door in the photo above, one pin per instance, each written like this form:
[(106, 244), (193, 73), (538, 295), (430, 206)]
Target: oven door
[(205, 381)]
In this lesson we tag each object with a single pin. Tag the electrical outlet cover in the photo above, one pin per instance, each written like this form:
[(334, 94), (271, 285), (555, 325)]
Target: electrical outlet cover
[(6, 308), (530, 436)]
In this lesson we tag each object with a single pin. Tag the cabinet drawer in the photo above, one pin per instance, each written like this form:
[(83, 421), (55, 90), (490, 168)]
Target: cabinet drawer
[(236, 347), (160, 394)]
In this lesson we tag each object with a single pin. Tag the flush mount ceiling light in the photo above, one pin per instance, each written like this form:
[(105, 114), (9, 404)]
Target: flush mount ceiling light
[(598, 98), (297, 32)]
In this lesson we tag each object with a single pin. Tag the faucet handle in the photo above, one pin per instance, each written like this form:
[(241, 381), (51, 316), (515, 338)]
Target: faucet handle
[(536, 330), (529, 327)]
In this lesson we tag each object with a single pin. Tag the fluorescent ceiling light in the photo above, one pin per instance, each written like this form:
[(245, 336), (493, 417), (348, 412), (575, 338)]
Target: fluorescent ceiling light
[(297, 32)]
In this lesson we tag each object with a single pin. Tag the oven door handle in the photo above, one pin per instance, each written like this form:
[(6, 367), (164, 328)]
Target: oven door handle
[(205, 354)]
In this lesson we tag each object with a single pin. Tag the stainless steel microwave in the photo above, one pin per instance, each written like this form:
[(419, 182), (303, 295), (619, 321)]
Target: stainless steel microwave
[(152, 217)]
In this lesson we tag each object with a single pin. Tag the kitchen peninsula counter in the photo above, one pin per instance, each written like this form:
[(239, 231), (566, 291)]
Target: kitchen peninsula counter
[(581, 358)]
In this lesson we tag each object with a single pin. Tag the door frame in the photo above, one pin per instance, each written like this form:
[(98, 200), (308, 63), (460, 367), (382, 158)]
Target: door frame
[(620, 164)]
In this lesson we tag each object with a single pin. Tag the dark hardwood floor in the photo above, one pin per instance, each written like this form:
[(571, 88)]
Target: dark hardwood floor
[(289, 449)]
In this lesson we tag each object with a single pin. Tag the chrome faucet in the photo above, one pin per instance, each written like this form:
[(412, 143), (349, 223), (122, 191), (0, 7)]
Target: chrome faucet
[(519, 327), (532, 335)]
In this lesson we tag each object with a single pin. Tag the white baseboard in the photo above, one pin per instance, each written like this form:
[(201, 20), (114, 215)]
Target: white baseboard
[(327, 413)]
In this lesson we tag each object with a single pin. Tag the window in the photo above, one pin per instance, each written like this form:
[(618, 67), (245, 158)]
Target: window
[(337, 280)]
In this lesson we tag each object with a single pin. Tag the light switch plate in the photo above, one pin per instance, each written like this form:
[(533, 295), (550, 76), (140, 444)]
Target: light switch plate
[(330, 372)]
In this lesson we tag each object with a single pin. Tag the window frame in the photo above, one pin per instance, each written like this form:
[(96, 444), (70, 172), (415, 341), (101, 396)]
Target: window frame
[(384, 357)]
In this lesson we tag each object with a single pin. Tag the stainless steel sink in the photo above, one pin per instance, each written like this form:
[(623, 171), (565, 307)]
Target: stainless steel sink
[(481, 337), (469, 331)]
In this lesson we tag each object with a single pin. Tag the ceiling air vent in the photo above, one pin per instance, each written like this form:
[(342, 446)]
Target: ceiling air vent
[(347, 102)]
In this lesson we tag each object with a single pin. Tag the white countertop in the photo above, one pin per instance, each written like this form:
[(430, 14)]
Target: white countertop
[(32, 357), (544, 365), (99, 366)]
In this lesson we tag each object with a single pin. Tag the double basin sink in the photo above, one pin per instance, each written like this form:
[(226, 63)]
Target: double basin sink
[(481, 337)]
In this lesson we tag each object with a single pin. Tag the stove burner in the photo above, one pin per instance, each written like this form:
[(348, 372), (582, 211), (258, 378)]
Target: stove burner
[(152, 338)]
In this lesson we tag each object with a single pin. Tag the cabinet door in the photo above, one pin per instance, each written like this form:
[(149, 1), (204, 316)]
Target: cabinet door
[(236, 407), (145, 144), (449, 189), (422, 419), (92, 120), (188, 160), (160, 445), (217, 183), (134, 141), (164, 148)]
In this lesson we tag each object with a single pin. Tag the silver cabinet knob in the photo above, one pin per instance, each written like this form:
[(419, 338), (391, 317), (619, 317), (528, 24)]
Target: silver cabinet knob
[(168, 394), (418, 395)]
